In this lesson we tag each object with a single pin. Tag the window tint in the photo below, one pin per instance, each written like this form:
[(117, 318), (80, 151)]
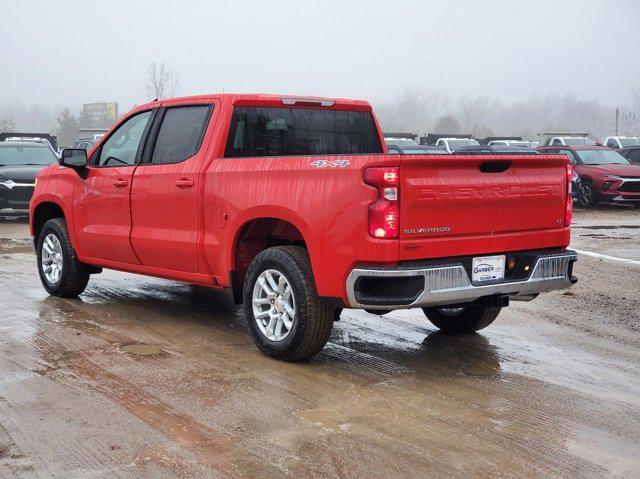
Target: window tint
[(612, 143), (634, 156), (180, 134), (121, 147), (300, 131)]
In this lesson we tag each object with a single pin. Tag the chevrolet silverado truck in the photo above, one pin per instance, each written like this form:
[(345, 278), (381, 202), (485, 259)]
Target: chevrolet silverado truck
[(295, 205)]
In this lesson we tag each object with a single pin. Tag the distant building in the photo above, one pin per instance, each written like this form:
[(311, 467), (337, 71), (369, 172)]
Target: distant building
[(98, 116)]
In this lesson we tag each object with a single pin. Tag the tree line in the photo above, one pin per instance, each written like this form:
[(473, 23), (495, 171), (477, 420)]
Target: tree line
[(413, 110), (421, 112), (162, 82)]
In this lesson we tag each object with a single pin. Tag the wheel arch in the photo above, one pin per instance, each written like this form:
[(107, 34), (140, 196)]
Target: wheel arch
[(43, 212), (255, 234)]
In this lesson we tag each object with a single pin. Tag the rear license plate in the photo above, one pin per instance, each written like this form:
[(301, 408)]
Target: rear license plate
[(487, 268)]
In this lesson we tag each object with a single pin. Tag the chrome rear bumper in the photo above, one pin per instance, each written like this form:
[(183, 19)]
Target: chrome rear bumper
[(447, 285)]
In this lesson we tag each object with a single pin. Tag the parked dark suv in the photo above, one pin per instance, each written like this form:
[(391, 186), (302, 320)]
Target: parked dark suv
[(20, 162)]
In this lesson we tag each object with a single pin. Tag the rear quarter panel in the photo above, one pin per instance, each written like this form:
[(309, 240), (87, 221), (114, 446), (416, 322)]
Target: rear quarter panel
[(327, 204)]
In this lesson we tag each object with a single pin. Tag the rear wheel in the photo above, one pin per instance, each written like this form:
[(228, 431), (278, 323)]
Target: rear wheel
[(286, 317), (60, 271), (462, 320)]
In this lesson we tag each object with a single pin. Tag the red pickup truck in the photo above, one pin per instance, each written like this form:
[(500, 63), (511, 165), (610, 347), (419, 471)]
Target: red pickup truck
[(295, 205)]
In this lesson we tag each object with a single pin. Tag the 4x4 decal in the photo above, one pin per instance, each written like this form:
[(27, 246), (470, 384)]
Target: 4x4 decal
[(330, 163)]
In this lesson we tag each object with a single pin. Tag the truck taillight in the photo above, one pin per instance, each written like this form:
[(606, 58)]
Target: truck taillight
[(384, 214), (568, 217)]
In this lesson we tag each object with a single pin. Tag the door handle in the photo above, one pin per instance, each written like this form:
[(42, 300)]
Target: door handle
[(184, 183), (120, 183)]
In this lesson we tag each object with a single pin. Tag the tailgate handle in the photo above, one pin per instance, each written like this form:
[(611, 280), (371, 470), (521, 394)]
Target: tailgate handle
[(495, 166)]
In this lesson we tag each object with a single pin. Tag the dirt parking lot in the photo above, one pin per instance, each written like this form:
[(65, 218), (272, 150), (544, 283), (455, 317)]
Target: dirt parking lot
[(149, 378)]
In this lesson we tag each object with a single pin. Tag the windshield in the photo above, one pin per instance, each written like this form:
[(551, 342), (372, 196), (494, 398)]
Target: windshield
[(455, 144), (629, 142), (26, 155), (602, 157), (579, 141)]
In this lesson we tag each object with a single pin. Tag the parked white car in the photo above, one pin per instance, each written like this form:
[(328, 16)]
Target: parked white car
[(391, 141), (527, 143), (452, 144), (555, 138), (617, 142)]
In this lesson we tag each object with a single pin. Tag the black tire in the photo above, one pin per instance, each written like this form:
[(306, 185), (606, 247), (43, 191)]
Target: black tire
[(588, 197), (75, 275), (462, 320), (313, 321)]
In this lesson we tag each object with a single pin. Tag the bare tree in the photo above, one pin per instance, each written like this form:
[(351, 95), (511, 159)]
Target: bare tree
[(447, 124), (162, 81), (7, 125)]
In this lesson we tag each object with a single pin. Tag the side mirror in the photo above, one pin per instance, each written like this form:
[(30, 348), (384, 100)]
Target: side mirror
[(73, 157)]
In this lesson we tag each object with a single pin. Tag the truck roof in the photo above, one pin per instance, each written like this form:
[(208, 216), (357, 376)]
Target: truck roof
[(255, 99)]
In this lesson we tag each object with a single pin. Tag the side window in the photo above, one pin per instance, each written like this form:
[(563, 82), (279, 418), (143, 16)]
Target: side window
[(611, 143), (556, 141), (634, 156), (180, 134), (122, 146)]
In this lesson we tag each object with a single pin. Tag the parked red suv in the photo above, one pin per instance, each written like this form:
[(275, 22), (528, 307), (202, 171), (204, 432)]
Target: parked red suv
[(604, 173), (295, 205)]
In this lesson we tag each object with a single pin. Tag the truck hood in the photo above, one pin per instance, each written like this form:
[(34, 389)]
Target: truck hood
[(621, 170), (20, 173)]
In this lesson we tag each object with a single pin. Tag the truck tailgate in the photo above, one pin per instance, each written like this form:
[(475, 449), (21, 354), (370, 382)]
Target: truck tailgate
[(473, 204)]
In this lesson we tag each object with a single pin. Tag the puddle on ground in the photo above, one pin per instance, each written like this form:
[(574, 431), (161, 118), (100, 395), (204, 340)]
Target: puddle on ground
[(142, 349), (8, 245)]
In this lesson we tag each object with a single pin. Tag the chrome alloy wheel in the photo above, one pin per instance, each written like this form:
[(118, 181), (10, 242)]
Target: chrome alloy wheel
[(274, 307), (52, 260)]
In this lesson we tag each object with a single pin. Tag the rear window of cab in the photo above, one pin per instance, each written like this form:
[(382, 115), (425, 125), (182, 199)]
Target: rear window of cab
[(269, 131)]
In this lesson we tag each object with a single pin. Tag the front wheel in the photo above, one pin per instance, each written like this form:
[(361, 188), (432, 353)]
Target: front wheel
[(462, 320), (60, 271), (588, 197), (286, 317)]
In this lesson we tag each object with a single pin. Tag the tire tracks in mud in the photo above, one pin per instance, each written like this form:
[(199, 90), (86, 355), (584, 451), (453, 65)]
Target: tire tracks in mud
[(213, 448)]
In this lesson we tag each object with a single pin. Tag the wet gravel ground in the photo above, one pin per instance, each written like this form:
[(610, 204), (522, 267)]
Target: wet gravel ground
[(148, 378)]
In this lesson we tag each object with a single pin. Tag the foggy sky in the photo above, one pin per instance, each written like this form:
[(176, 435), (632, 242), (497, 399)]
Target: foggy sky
[(65, 52)]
